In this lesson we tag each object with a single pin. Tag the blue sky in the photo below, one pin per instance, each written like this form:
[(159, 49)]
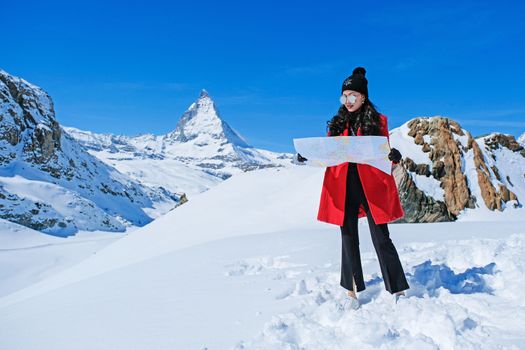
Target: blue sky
[(274, 69)]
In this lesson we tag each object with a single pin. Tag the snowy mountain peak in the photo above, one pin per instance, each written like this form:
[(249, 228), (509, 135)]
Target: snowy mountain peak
[(202, 151), (204, 93), (201, 124)]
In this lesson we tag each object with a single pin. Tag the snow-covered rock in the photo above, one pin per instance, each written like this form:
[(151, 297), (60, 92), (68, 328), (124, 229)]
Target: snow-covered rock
[(446, 173)]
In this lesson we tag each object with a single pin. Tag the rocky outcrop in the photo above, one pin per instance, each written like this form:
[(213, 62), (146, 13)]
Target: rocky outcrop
[(447, 154), (417, 205), (438, 139), (495, 198), (496, 141)]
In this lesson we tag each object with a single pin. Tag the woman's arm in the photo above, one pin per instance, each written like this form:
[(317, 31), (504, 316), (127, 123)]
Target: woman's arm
[(394, 155)]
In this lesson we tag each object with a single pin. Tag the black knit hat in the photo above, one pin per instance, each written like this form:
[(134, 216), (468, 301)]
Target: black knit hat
[(356, 82)]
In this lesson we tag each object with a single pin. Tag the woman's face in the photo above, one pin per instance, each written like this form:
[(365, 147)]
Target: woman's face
[(353, 100)]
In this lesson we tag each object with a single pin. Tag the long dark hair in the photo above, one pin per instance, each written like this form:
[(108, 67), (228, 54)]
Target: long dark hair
[(366, 118)]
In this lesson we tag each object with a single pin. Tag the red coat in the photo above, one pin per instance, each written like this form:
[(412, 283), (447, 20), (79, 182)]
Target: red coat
[(380, 190)]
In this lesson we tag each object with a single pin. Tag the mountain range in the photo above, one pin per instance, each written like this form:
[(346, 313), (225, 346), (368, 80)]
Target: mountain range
[(49, 182), (200, 152), (59, 179)]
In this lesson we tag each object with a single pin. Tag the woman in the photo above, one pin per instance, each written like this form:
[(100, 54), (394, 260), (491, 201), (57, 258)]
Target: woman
[(351, 191)]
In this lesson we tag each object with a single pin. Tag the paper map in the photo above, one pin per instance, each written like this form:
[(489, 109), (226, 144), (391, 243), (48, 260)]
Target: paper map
[(335, 150)]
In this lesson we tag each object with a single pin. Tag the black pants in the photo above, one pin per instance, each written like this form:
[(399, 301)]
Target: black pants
[(391, 268)]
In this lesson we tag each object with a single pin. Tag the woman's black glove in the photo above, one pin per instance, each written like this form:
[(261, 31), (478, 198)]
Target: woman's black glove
[(300, 158), (394, 155)]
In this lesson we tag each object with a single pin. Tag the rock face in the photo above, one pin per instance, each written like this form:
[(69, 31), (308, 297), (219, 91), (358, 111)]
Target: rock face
[(418, 206), (26, 116), (445, 153), (50, 183), (495, 197), (496, 141), (446, 171)]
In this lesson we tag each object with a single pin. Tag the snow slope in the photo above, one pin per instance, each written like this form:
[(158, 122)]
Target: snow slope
[(28, 256), (262, 273), (252, 195)]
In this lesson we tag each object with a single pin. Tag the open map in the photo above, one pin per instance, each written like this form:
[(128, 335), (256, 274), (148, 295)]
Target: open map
[(330, 151)]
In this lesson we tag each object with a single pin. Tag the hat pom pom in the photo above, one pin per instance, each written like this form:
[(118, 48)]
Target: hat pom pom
[(359, 70)]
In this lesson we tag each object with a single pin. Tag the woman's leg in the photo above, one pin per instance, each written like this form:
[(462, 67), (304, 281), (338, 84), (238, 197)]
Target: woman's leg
[(351, 269), (391, 268)]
